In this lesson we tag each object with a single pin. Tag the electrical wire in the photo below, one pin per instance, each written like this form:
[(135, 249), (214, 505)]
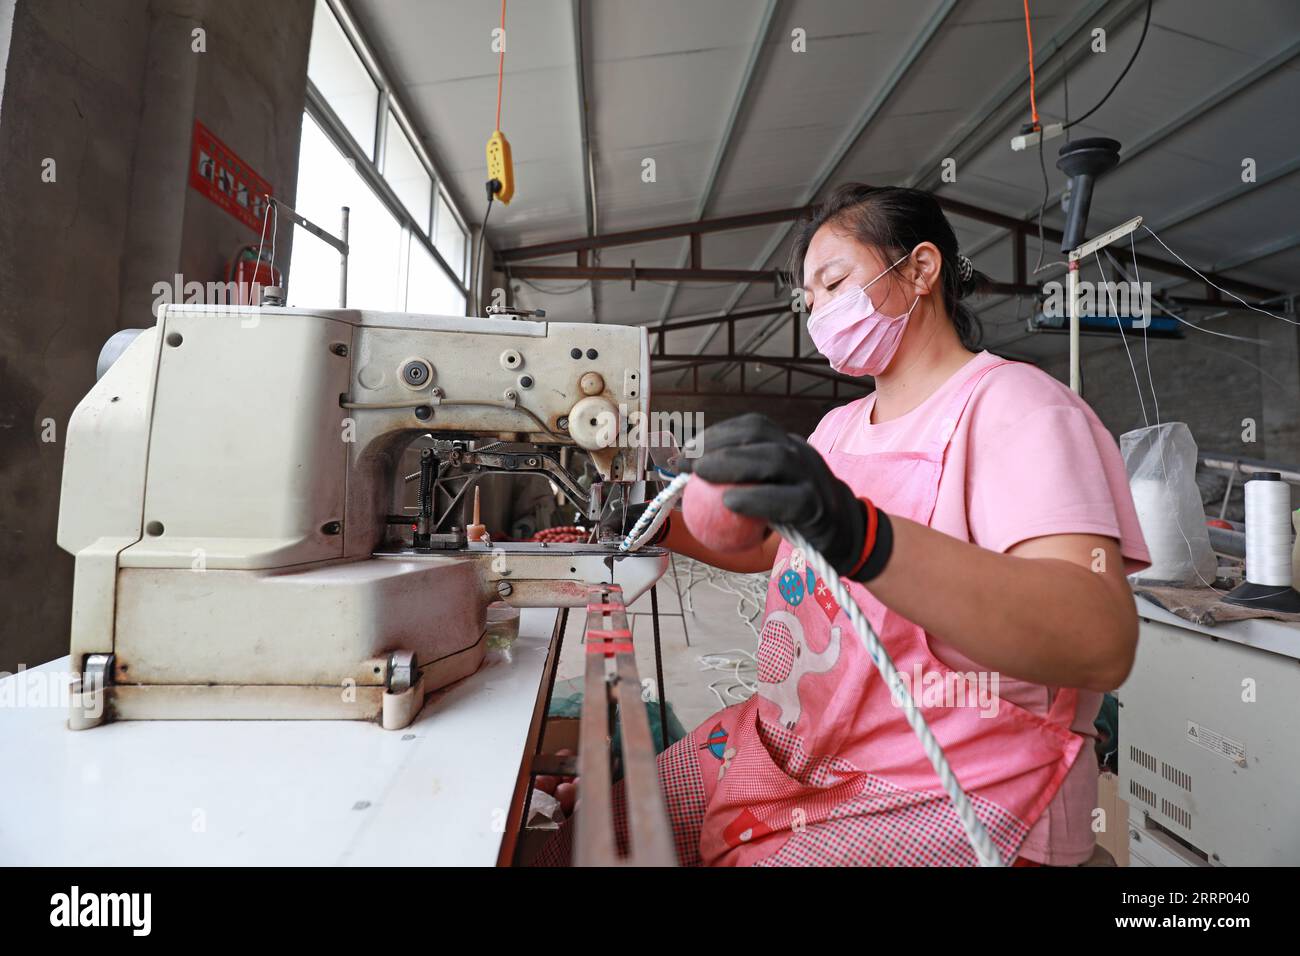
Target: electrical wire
[(572, 291), (1042, 208), (501, 63), (478, 257), (981, 842), (1146, 22), (1036, 126), (1033, 97), (1065, 83)]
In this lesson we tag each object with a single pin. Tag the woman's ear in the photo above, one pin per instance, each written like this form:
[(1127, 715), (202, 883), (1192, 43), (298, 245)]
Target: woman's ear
[(927, 263)]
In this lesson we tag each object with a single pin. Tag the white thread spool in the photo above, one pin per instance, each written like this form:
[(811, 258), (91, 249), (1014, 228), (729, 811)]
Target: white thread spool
[(1268, 530), (1178, 555)]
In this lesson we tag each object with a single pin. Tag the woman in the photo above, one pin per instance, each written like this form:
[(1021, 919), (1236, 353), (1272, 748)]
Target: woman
[(983, 516)]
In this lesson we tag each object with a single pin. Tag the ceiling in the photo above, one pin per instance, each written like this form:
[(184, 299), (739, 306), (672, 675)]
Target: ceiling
[(736, 121)]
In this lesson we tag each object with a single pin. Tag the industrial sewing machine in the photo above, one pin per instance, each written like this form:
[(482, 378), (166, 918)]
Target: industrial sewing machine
[(232, 493)]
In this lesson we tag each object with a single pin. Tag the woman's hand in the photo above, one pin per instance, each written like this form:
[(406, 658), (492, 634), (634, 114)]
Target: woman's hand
[(791, 484)]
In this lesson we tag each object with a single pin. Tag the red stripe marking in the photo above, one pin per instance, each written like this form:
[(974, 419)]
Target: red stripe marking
[(596, 635), (609, 648)]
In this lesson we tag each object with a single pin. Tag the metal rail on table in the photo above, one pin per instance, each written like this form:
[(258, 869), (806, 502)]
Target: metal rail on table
[(611, 684)]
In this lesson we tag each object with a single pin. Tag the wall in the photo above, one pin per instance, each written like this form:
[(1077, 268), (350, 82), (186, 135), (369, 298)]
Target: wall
[(109, 91), (1210, 382), (1217, 385)]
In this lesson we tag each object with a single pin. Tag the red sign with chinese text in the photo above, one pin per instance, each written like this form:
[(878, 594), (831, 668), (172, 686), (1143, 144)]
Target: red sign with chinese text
[(226, 179)]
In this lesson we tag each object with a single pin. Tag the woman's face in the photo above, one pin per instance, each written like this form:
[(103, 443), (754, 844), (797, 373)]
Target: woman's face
[(837, 263)]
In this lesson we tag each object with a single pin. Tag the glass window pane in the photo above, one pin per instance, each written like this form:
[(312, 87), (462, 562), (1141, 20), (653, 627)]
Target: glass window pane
[(406, 174), (341, 77), (429, 289), (326, 182), (450, 239)]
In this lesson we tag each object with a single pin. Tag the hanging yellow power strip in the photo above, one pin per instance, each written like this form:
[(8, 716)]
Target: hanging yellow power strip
[(500, 167)]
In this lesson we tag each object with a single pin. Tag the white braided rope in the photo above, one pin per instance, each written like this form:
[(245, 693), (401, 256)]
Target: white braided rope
[(985, 850), (655, 514)]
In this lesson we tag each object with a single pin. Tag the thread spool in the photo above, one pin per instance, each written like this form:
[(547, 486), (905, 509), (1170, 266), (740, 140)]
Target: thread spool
[(1268, 581), (1179, 556), (1268, 530)]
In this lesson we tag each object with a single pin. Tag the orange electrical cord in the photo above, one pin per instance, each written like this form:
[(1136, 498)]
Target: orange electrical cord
[(1029, 34), (501, 61)]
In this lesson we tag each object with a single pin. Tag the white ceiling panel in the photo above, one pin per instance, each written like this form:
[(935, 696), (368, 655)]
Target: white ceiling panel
[(664, 77)]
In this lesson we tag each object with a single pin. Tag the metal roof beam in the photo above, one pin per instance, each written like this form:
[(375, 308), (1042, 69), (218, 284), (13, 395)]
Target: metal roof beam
[(1011, 97), (1193, 113), (632, 237), (739, 106), (899, 70), (1188, 116)]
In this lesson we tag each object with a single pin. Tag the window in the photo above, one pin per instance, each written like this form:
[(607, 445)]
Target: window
[(428, 288), (355, 153), (449, 239), (326, 182), (338, 73), (406, 174)]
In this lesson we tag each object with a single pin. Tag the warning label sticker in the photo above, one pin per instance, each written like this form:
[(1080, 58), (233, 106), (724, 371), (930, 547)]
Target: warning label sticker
[(1216, 742), (227, 180)]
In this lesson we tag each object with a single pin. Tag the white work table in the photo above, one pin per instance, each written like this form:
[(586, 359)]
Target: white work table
[(1265, 634), (215, 793)]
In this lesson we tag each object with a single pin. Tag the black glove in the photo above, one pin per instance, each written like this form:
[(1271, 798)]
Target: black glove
[(793, 486)]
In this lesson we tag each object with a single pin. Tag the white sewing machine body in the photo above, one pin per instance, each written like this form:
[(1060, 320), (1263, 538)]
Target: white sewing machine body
[(228, 493)]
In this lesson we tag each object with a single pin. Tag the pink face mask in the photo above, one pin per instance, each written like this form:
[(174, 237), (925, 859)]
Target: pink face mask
[(854, 337)]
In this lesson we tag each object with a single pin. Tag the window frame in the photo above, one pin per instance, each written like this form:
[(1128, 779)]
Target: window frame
[(353, 38), (369, 162)]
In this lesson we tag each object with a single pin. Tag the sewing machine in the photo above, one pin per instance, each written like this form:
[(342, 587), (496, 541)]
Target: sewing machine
[(232, 493)]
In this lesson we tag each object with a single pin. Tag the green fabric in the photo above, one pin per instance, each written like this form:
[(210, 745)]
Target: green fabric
[(1107, 724), (570, 705)]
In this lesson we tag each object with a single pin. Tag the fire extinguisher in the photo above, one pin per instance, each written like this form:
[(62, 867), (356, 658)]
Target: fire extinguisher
[(247, 271)]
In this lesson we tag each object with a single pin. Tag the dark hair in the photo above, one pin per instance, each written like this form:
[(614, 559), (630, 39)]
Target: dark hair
[(896, 220)]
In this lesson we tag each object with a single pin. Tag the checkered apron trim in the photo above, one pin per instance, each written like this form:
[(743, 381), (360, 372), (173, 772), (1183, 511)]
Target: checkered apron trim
[(683, 789)]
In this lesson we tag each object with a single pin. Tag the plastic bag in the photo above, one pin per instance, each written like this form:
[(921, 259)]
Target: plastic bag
[(1161, 465)]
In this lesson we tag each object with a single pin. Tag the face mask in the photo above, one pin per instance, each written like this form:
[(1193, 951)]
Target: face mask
[(854, 337)]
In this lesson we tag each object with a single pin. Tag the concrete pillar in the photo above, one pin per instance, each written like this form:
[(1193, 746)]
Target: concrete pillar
[(97, 110)]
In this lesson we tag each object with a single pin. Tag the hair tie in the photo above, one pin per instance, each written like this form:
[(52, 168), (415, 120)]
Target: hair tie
[(965, 268)]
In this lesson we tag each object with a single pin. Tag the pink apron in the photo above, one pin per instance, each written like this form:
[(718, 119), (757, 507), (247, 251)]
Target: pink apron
[(820, 767)]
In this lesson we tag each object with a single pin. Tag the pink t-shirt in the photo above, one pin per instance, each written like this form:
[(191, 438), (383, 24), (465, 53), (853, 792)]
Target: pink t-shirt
[(1028, 458)]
